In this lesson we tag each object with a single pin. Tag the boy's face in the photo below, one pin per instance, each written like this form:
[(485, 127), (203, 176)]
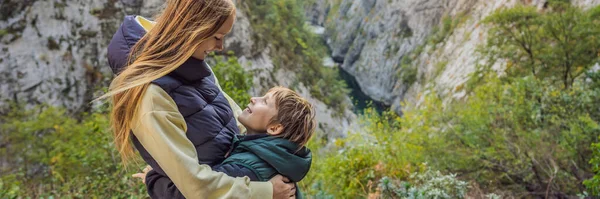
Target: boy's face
[(259, 112)]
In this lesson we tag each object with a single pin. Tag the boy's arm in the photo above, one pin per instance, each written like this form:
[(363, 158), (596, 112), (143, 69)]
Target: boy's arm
[(160, 128), (236, 170)]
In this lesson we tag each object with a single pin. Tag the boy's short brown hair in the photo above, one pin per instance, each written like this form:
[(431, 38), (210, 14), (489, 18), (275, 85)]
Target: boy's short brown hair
[(295, 114)]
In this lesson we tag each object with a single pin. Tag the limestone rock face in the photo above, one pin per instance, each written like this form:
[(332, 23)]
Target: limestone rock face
[(54, 52), (370, 37)]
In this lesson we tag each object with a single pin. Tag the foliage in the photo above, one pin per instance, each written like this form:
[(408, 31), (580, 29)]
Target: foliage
[(351, 167), (48, 153), (559, 45), (531, 132), (280, 26), (232, 78), (522, 136), (593, 184), (499, 134), (555, 47)]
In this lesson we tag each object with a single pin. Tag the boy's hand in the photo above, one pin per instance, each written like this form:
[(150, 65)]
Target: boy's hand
[(143, 175), (282, 187)]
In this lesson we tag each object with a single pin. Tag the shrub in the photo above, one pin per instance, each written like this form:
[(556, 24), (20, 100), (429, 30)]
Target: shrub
[(522, 136), (428, 184), (48, 153)]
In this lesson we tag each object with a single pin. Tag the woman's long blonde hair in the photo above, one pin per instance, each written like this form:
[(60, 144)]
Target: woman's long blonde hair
[(179, 29)]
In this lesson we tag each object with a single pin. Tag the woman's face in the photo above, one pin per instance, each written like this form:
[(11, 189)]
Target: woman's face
[(215, 42)]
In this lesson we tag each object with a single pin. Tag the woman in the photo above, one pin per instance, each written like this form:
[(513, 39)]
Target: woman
[(166, 96)]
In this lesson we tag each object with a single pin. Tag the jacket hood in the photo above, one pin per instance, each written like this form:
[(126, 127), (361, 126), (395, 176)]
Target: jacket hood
[(129, 33)]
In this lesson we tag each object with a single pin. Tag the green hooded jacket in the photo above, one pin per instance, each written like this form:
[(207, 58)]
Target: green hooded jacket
[(267, 156)]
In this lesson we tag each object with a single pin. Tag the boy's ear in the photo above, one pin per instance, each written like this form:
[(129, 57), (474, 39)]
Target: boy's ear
[(275, 129)]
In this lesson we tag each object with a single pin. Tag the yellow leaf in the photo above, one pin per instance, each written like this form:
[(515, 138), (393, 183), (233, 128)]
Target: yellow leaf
[(54, 159)]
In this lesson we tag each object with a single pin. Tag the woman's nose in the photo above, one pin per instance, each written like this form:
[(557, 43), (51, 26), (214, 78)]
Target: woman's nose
[(253, 100), (219, 45)]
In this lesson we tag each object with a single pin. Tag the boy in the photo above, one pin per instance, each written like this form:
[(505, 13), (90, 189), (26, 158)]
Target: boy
[(278, 125)]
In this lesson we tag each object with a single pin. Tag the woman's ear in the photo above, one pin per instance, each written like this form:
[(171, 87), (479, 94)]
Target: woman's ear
[(275, 129)]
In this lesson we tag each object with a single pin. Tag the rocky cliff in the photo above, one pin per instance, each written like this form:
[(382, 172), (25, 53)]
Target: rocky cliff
[(54, 52), (370, 38)]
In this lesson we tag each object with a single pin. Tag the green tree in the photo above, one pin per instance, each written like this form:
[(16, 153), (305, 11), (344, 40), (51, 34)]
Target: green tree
[(514, 36), (574, 46), (558, 45)]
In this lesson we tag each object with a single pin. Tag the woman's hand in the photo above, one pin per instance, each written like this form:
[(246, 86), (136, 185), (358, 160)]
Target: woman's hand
[(283, 188), (143, 175)]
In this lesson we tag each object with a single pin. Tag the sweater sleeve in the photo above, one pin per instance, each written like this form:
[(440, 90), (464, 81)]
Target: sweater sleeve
[(160, 128), (160, 186)]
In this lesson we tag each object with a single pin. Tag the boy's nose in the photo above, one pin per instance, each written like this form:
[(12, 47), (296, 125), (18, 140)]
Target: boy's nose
[(253, 100)]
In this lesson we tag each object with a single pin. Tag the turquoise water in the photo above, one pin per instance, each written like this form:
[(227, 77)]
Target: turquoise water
[(360, 99)]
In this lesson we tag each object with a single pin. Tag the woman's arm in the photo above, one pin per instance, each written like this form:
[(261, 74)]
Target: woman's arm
[(160, 186), (160, 128)]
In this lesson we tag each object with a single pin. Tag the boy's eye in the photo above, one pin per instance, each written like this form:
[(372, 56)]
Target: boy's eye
[(218, 39)]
